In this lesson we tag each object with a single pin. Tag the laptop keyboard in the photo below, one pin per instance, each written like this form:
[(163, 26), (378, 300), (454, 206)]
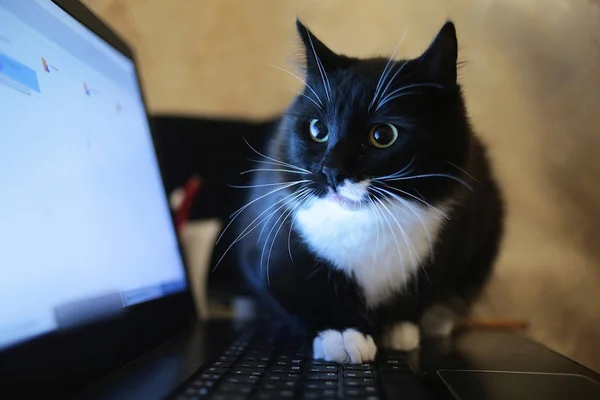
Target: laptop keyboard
[(267, 365)]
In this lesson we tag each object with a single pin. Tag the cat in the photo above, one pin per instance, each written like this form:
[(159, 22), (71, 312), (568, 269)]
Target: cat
[(373, 217)]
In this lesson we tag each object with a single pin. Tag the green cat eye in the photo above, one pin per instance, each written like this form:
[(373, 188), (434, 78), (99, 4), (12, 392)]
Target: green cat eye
[(383, 135), (318, 131)]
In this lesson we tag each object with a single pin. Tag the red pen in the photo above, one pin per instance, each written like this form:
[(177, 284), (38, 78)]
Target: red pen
[(191, 189)]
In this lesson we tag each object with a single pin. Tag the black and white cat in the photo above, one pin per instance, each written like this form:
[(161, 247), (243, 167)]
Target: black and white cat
[(373, 214)]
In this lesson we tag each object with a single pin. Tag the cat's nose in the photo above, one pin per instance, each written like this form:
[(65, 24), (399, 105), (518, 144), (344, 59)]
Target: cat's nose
[(333, 176)]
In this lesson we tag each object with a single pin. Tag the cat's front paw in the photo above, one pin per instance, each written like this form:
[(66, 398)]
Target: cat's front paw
[(403, 336), (343, 347)]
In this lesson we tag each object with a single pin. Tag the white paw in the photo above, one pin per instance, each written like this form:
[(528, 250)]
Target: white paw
[(438, 321), (402, 336), (342, 347)]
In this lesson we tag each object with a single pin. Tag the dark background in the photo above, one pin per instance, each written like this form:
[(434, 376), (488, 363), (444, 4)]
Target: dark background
[(215, 150)]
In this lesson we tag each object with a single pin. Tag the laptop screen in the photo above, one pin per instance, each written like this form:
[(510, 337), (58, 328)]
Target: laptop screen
[(85, 227)]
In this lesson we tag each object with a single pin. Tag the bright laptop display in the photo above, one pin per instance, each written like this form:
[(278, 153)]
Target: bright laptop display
[(85, 227)]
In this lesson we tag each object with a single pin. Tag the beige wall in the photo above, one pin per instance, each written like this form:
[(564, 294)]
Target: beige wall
[(532, 81)]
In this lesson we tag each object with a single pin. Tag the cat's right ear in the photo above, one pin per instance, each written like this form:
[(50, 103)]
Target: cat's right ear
[(441, 56), (316, 53)]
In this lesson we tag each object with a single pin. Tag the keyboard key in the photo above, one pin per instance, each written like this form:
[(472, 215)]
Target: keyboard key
[(233, 388), (359, 382), (281, 394), (260, 352), (395, 368), (207, 376), (201, 383), (278, 385), (251, 364), (362, 391), (248, 371), (323, 368), (253, 358), (358, 367), (318, 385), (222, 364), (288, 363), (322, 362), (287, 370), (319, 394), (290, 354), (192, 391), (283, 377), (286, 393), (242, 379), (322, 376), (216, 370), (228, 396), (358, 374)]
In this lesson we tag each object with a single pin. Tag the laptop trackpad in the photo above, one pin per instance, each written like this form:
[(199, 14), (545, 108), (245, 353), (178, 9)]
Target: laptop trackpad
[(480, 385)]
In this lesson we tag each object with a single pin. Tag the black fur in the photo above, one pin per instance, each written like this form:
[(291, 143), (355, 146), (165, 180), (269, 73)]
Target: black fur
[(434, 133)]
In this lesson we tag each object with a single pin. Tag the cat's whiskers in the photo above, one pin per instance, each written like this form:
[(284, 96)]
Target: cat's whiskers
[(399, 92), (297, 92), (295, 76), (462, 182), (292, 196), (287, 171), (266, 223), (378, 222), (300, 204), (281, 163), (463, 171), (266, 184), (251, 226), (295, 168), (322, 71), (443, 214), (391, 80), (289, 212), (385, 73), (403, 172), (415, 213), (409, 245), (380, 204), (313, 273), (239, 211), (286, 185)]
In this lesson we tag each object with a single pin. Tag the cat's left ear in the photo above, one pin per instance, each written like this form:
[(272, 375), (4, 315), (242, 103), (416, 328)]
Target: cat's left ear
[(441, 56), (317, 54)]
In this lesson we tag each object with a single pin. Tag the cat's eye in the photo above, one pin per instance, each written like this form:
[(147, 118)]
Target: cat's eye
[(383, 135), (318, 131)]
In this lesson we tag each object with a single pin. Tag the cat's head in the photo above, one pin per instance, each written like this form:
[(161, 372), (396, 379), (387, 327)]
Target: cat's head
[(378, 127)]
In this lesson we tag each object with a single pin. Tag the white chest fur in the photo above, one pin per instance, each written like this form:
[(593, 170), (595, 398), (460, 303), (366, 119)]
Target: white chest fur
[(380, 247)]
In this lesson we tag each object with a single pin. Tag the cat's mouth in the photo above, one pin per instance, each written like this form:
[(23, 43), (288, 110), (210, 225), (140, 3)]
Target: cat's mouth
[(349, 195), (344, 201)]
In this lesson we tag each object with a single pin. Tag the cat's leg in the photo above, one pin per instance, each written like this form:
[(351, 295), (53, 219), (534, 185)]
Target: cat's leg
[(403, 336), (345, 346), (438, 321)]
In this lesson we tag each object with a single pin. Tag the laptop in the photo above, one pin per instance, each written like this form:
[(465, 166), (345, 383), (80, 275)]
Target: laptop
[(95, 301)]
